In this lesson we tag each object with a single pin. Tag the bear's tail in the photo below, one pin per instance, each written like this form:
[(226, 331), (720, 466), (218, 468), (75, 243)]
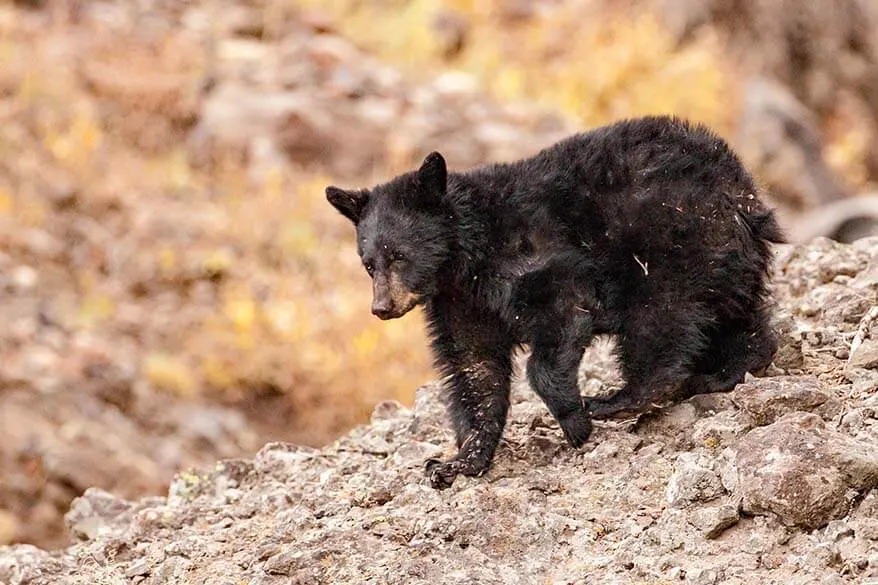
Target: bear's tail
[(764, 226)]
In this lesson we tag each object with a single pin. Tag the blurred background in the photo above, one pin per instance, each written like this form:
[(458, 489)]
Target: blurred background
[(174, 288)]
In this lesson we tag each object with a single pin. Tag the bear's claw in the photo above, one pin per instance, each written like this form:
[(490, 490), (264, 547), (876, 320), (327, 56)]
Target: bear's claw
[(442, 473)]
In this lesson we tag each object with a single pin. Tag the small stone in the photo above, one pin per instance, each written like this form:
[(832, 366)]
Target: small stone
[(138, 568), (722, 429), (415, 453), (714, 520), (852, 420), (24, 278), (694, 480), (374, 444), (865, 382), (172, 570), (838, 529), (284, 563), (767, 399), (267, 551), (868, 528), (789, 351), (808, 310), (864, 356), (389, 410), (96, 513), (699, 576)]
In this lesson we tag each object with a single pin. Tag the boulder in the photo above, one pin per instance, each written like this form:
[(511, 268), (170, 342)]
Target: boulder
[(767, 399), (800, 470)]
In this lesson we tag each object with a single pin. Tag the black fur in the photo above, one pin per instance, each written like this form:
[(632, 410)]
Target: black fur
[(648, 229)]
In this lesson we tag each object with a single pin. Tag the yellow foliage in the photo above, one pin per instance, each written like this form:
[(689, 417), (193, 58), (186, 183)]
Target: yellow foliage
[(712, 442), (286, 320), (95, 309), (847, 153), (217, 372), (298, 238), (584, 59), (240, 309), (274, 184), (74, 146), (6, 202), (8, 527), (366, 342), (167, 259), (30, 212), (29, 90), (175, 170), (217, 262), (169, 373)]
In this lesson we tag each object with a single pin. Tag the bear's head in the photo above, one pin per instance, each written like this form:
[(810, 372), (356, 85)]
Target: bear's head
[(404, 234)]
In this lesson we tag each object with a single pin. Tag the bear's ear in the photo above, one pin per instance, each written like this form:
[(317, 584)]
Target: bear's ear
[(433, 174), (349, 203)]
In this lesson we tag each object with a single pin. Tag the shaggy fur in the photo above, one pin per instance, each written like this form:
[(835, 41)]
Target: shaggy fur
[(648, 229)]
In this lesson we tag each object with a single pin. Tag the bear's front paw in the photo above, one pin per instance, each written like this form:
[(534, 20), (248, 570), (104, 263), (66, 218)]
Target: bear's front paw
[(576, 427), (442, 473)]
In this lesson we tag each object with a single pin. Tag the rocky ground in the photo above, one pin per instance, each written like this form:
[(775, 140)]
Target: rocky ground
[(775, 482)]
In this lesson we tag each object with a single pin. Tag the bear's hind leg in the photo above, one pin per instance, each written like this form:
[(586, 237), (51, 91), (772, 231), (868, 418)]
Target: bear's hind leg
[(552, 373), (656, 355), (735, 348)]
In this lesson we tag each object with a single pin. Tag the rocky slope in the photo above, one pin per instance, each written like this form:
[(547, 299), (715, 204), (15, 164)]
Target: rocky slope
[(772, 483)]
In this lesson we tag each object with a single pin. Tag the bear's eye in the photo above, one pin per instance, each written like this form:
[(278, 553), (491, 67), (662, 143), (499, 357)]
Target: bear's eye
[(397, 257)]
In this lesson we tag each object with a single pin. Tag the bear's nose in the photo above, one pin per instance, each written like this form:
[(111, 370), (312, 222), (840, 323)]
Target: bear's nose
[(381, 309)]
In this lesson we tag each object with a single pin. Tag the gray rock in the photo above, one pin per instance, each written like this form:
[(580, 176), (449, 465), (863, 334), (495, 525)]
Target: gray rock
[(722, 429), (359, 510), (767, 399), (865, 356), (789, 342), (800, 470), (694, 480), (172, 570), (285, 563), (97, 513), (862, 364), (714, 520), (138, 568)]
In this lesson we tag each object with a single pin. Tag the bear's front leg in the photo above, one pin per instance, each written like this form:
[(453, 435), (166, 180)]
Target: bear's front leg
[(475, 353)]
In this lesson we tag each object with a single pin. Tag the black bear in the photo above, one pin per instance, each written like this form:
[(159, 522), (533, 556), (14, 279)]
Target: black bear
[(648, 229)]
